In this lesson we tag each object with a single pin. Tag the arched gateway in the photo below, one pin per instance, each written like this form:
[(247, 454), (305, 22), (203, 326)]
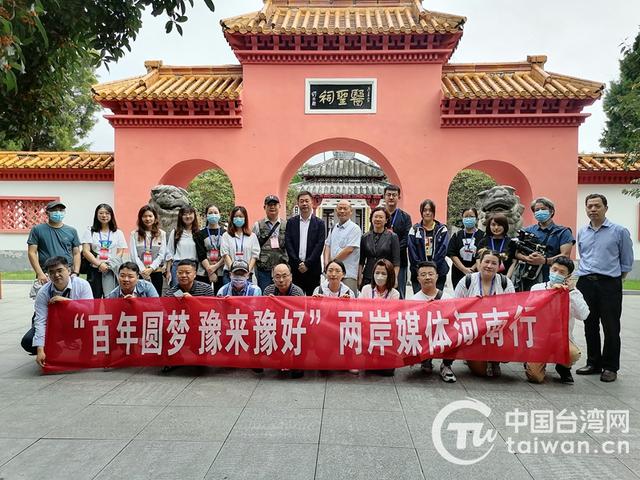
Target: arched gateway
[(360, 75)]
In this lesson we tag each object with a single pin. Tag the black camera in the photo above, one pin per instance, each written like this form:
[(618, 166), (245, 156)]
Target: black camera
[(526, 244)]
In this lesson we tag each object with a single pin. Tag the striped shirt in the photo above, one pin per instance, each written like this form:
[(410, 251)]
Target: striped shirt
[(198, 289), (294, 291)]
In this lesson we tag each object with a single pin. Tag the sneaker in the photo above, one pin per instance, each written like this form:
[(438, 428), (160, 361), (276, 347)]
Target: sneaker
[(427, 366), (258, 370), (493, 369), (447, 374), (354, 371)]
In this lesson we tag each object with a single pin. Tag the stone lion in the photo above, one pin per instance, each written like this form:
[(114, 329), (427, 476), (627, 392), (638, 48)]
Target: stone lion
[(167, 200), (501, 199)]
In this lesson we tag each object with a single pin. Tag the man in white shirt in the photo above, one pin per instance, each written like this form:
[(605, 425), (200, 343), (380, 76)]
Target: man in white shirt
[(343, 243), (62, 287), (428, 277), (559, 277)]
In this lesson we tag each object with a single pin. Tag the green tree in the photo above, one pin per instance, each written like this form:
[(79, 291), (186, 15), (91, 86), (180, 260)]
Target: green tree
[(463, 193), (622, 106), (212, 186), (48, 52)]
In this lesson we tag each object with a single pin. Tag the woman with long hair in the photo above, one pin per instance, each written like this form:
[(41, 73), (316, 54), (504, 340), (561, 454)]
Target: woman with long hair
[(485, 282), (382, 282), (103, 246), (239, 242), (181, 244), (208, 242), (148, 246), (428, 241)]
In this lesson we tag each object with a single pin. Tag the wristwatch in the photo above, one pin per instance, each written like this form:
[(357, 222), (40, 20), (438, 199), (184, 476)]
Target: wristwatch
[(75, 273)]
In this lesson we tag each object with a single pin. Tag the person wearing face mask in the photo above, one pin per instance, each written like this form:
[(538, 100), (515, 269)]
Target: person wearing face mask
[(559, 277), (239, 242), (208, 241), (558, 240), (382, 282), (463, 246), (53, 239), (376, 244), (239, 284)]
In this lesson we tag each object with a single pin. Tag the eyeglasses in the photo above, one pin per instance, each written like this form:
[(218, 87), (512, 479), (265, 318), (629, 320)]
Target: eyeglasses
[(426, 274), (281, 277)]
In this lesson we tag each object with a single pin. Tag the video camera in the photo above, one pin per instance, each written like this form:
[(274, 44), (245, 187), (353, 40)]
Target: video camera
[(526, 244)]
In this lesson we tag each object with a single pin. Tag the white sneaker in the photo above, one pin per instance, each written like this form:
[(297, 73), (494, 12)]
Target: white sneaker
[(447, 374), (427, 366), (354, 371)]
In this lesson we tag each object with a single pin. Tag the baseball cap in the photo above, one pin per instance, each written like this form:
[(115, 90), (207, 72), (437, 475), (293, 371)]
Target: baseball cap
[(55, 203), (271, 199), (239, 265)]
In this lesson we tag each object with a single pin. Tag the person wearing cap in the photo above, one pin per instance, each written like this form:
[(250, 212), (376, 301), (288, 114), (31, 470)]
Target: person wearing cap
[(187, 285), (271, 237), (53, 239), (239, 286)]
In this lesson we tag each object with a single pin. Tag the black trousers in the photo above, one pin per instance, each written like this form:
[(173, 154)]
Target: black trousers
[(27, 339), (307, 281), (604, 297)]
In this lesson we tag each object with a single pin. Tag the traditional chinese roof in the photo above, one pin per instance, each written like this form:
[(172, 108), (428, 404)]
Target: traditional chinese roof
[(514, 80), (342, 165), (165, 82), (342, 188), (605, 162), (54, 160), (340, 17)]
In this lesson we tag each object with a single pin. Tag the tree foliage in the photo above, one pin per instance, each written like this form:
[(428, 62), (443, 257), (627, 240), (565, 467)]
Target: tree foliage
[(48, 52), (212, 186), (463, 193)]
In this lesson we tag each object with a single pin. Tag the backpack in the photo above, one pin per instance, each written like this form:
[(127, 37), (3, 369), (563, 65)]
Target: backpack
[(503, 281)]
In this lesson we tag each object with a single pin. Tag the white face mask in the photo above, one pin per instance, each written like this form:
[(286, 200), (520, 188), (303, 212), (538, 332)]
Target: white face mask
[(380, 279)]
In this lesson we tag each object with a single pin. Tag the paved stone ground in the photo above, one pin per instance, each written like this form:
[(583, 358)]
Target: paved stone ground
[(197, 423)]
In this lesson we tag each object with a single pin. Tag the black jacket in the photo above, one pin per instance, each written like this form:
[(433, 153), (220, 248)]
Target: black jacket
[(315, 243), (401, 226)]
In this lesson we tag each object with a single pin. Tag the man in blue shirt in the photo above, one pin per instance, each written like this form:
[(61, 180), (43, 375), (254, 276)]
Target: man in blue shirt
[(130, 285), (62, 287), (606, 256), (558, 240), (240, 285)]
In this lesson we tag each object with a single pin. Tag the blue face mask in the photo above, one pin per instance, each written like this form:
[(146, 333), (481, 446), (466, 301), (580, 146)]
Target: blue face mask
[(213, 218), (555, 278), (238, 222), (542, 215), (469, 222), (238, 282), (56, 216)]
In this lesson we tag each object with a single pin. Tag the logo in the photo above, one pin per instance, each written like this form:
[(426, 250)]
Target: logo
[(478, 439)]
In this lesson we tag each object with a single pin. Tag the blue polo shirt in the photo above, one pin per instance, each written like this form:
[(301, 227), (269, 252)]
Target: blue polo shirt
[(553, 236)]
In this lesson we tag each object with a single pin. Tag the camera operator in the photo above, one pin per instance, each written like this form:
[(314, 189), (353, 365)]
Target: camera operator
[(555, 241)]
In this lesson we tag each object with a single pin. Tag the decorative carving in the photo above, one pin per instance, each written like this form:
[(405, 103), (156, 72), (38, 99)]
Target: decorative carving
[(167, 200), (501, 199)]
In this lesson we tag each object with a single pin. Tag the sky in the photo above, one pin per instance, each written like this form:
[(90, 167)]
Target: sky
[(581, 38)]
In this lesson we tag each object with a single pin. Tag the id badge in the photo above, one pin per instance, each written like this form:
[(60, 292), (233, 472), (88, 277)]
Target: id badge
[(214, 255), (274, 242), (103, 253), (147, 258), (466, 254)]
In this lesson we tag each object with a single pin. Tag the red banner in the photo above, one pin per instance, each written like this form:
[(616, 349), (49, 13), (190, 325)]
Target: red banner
[(305, 332)]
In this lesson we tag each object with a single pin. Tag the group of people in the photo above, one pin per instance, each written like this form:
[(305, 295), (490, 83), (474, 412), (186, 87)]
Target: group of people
[(288, 257)]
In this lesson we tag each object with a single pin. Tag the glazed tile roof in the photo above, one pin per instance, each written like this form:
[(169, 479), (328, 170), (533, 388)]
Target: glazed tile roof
[(605, 162), (164, 82), (514, 80), (57, 160), (342, 166), (341, 17), (342, 188)]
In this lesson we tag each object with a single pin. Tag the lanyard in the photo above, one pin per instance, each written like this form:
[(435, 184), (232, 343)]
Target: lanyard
[(108, 237), (492, 289), (145, 243), (241, 250), (493, 245), (393, 219), (211, 241), (464, 237)]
